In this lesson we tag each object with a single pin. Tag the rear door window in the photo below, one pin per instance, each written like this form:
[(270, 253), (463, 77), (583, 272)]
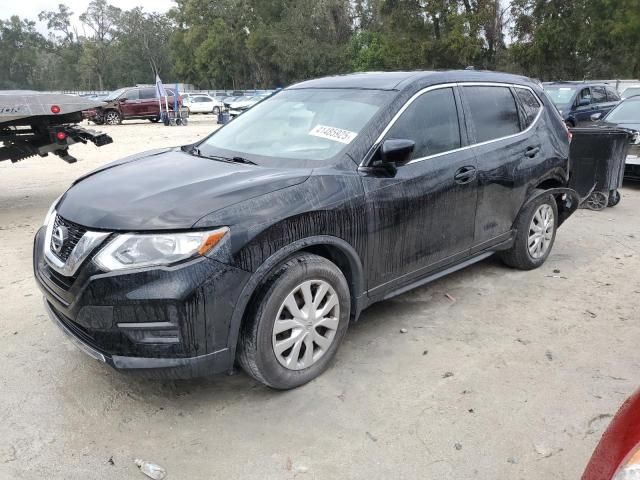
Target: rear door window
[(530, 105), (431, 121), (147, 93), (599, 95), (492, 111)]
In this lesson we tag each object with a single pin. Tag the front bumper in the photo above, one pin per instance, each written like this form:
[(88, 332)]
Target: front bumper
[(169, 322)]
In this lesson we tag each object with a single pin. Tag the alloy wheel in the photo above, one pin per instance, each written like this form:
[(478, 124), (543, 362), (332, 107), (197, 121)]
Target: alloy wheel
[(112, 118), (541, 231), (306, 324)]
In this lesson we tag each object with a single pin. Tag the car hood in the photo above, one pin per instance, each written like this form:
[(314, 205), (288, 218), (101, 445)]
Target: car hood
[(167, 190)]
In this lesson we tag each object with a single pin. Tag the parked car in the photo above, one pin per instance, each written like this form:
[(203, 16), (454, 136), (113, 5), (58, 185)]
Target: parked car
[(203, 104), (578, 101), (263, 241), (617, 455), (630, 91), (128, 104), (627, 115), (242, 104)]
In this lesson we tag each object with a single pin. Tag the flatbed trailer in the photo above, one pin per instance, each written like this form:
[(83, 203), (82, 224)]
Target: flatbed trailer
[(35, 123)]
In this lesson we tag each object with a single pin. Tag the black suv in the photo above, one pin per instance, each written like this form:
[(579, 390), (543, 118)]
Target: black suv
[(578, 101), (262, 242)]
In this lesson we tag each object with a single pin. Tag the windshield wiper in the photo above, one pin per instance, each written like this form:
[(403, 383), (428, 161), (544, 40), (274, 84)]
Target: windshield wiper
[(198, 153), (241, 160)]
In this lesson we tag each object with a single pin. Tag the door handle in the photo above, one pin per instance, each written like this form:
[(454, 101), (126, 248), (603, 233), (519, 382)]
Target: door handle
[(531, 151), (465, 174)]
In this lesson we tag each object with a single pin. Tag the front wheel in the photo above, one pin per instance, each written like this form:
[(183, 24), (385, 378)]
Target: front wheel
[(112, 118), (535, 234), (296, 323), (216, 110)]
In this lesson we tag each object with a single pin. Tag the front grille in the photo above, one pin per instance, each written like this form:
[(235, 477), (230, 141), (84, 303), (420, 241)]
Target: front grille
[(75, 233)]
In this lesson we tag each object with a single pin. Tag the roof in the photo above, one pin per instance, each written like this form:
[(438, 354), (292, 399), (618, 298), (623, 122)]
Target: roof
[(400, 80), (576, 83)]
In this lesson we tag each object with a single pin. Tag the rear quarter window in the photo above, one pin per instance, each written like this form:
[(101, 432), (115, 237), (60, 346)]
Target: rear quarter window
[(612, 95), (530, 105), (492, 111)]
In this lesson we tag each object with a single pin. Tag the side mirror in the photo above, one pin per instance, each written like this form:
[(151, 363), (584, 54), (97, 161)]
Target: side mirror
[(584, 102), (595, 117), (397, 151)]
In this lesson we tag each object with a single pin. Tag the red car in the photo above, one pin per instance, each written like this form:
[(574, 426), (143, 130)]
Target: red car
[(128, 104), (617, 456)]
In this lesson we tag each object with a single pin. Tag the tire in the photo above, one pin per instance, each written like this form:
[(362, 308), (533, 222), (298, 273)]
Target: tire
[(614, 198), (154, 119), (216, 110), (520, 255), (259, 340), (112, 117), (597, 201)]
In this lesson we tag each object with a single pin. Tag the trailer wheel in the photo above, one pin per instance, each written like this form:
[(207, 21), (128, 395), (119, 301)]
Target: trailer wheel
[(596, 201), (614, 198)]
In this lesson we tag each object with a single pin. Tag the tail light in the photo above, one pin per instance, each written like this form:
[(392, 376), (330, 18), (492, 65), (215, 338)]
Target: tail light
[(61, 136)]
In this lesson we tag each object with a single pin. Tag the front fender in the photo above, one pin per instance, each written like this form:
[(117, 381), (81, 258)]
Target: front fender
[(262, 272), (567, 200)]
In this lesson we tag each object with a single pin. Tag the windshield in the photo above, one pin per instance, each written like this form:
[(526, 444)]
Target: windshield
[(310, 124), (560, 95), (631, 92), (115, 94), (625, 112)]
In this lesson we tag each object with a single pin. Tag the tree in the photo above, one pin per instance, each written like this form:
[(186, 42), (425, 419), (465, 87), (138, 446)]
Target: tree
[(101, 19)]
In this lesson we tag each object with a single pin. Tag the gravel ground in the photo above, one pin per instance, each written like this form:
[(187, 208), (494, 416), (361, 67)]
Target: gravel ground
[(501, 374)]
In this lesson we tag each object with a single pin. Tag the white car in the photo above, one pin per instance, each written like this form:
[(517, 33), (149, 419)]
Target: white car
[(630, 91), (202, 104)]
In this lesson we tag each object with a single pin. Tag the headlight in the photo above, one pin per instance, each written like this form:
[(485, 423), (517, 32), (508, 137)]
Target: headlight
[(52, 209), (135, 251), (630, 468)]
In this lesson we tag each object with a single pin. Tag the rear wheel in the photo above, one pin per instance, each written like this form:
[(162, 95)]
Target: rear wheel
[(535, 234), (296, 323), (112, 117)]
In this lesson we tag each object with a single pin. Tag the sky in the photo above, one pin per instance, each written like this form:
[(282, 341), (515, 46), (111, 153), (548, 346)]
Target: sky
[(30, 8)]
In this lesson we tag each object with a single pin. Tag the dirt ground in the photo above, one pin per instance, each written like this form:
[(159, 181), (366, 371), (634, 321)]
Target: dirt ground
[(501, 374)]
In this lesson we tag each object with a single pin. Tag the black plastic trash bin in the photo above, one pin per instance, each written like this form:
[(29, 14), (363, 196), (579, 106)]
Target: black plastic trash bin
[(597, 158)]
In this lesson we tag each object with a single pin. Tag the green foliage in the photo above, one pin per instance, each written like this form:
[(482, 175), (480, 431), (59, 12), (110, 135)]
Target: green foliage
[(270, 43)]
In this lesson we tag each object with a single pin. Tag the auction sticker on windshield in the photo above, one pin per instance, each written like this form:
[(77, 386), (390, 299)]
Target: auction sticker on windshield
[(333, 133)]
